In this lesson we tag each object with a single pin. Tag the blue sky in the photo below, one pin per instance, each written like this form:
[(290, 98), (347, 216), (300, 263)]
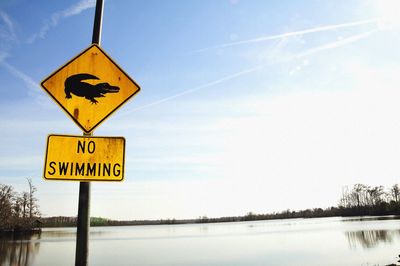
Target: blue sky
[(245, 105)]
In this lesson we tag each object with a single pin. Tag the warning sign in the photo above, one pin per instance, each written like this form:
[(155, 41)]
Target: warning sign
[(84, 158), (90, 87)]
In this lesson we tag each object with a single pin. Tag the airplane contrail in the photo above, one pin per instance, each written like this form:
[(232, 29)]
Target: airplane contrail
[(32, 84), (56, 17), (209, 84), (293, 33), (309, 52), (335, 44)]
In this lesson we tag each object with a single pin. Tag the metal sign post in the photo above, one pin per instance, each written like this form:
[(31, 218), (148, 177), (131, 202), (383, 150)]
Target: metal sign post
[(82, 234), (88, 103)]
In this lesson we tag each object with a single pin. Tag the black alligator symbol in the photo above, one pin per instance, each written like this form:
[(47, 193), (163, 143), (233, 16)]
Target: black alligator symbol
[(74, 84)]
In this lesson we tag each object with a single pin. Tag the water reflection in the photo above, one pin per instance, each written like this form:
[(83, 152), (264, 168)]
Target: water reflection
[(19, 249), (371, 238)]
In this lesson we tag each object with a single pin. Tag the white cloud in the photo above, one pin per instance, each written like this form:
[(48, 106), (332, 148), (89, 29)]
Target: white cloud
[(293, 150), (296, 33), (3, 56), (7, 30), (56, 17), (18, 162), (336, 44), (388, 10), (188, 91), (277, 58), (74, 10), (8, 36), (31, 84)]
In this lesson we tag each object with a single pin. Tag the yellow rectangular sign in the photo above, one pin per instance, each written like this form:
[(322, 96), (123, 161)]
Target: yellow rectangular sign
[(84, 158)]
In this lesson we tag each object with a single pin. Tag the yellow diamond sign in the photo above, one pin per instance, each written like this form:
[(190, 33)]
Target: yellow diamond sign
[(90, 87)]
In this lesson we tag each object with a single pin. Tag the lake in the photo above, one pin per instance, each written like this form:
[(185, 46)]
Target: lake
[(318, 241)]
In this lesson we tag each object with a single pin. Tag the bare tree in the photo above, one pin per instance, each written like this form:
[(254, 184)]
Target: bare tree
[(395, 192), (6, 206), (345, 198), (375, 195), (24, 198), (32, 205), (359, 195)]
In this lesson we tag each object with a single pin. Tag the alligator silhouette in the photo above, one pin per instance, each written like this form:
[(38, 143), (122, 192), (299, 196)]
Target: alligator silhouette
[(74, 84)]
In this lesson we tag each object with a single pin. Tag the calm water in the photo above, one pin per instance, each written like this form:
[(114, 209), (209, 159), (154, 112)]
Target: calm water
[(320, 241)]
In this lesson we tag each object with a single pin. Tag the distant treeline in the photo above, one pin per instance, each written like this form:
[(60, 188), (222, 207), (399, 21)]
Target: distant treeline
[(356, 201), (366, 200), (18, 211), (64, 221)]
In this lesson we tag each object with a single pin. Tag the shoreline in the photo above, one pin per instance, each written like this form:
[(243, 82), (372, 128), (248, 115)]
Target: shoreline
[(108, 222)]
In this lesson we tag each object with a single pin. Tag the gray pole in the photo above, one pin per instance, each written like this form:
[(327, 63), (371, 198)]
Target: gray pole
[(82, 234)]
